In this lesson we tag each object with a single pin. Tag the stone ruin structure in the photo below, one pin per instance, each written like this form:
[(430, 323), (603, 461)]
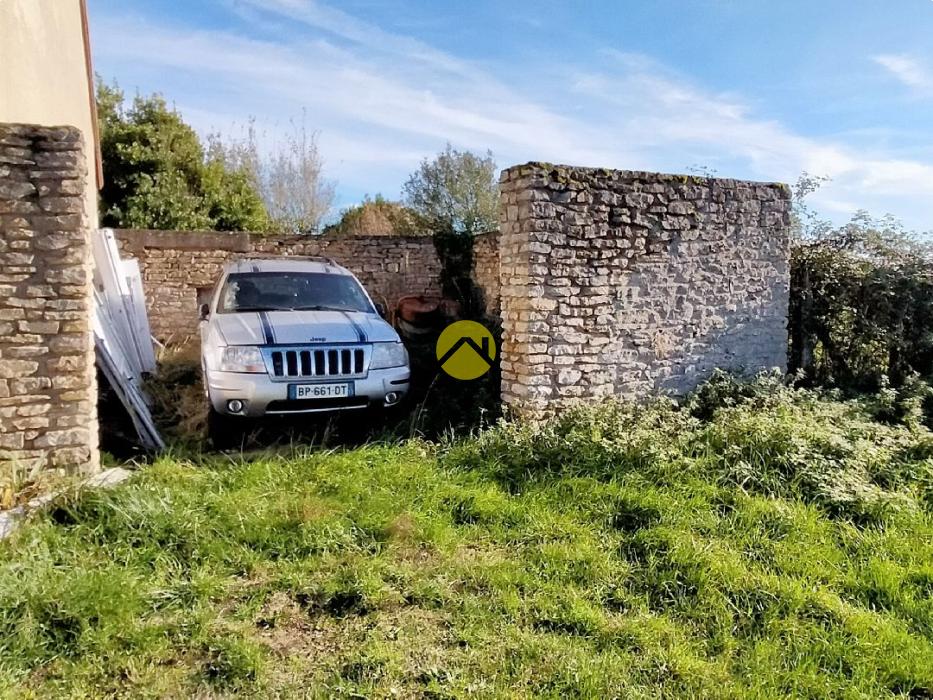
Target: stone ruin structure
[(607, 283), (632, 283)]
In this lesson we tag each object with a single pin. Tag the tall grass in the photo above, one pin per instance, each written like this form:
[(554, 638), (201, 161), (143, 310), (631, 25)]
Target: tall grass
[(761, 437), (757, 541)]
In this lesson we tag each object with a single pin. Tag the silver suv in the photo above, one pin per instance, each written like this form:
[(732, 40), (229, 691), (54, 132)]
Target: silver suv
[(297, 335)]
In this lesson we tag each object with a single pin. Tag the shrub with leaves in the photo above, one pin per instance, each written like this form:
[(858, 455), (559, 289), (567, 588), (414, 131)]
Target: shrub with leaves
[(157, 175), (763, 437), (861, 302), (378, 216), (457, 191)]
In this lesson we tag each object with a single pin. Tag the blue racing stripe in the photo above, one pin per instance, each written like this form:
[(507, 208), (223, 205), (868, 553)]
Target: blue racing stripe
[(360, 332), (266, 328)]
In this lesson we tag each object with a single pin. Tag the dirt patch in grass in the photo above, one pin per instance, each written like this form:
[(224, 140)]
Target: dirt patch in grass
[(286, 628), (317, 650)]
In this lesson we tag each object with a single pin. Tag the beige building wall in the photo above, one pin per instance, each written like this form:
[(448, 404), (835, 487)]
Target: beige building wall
[(44, 73)]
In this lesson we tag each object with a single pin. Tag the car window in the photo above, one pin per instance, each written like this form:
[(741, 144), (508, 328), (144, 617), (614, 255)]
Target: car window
[(286, 291)]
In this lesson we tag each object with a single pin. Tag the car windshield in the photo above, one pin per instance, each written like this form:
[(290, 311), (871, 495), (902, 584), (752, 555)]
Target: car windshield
[(292, 291)]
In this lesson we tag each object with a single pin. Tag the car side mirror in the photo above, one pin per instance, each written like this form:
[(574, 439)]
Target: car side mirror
[(380, 309), (204, 311)]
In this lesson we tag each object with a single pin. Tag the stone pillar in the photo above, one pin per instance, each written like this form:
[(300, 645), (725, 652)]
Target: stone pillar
[(48, 389), (630, 284), (526, 386)]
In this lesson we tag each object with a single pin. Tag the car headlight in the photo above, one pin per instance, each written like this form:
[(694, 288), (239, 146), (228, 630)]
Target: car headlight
[(389, 355), (242, 358)]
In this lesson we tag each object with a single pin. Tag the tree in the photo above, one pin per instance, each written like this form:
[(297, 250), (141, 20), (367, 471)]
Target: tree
[(289, 175), (156, 173), (457, 191), (293, 187), (378, 217), (861, 299), (806, 223)]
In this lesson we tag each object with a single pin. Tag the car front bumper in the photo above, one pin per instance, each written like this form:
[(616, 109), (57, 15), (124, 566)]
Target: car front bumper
[(261, 396)]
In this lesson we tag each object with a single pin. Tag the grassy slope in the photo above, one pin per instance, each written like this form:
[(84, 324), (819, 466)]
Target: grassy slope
[(614, 553)]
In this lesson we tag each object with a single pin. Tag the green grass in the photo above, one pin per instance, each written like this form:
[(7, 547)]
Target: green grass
[(754, 543)]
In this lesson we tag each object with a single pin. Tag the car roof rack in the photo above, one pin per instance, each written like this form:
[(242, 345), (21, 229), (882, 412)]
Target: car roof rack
[(309, 258)]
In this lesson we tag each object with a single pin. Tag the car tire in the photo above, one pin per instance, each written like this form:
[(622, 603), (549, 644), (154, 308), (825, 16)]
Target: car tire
[(224, 432)]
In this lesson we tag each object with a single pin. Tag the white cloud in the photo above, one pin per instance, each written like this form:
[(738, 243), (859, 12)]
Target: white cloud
[(907, 70), (382, 101), (345, 90), (666, 112), (347, 27)]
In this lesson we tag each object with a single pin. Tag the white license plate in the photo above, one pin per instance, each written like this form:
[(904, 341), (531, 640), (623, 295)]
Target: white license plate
[(319, 391)]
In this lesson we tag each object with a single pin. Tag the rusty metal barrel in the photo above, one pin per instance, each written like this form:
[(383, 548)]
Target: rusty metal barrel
[(419, 317)]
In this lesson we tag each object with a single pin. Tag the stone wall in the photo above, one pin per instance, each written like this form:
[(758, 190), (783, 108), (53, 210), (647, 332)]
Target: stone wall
[(48, 389), (632, 283), (486, 269), (175, 265)]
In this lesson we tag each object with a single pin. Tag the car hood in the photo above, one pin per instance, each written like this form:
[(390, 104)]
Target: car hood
[(303, 328)]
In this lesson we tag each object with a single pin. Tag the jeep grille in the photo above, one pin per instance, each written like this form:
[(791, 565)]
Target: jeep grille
[(316, 362)]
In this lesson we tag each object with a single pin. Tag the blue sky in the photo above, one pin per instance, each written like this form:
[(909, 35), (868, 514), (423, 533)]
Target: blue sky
[(754, 89)]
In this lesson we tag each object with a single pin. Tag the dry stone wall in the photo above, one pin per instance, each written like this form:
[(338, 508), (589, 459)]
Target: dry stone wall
[(48, 389), (632, 283), (486, 269), (175, 265)]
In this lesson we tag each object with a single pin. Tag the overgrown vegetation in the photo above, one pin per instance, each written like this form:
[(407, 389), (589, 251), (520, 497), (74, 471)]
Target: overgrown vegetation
[(157, 174), (757, 541), (176, 391), (861, 303), (456, 191)]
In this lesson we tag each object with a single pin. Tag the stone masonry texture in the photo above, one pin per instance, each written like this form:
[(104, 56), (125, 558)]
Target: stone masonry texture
[(48, 392), (176, 264), (486, 269), (633, 284)]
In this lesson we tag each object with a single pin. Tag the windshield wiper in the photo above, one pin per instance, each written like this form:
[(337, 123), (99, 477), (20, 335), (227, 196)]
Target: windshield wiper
[(320, 307), (260, 308)]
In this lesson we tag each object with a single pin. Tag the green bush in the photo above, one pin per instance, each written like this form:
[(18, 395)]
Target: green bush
[(158, 175), (762, 436), (861, 305)]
